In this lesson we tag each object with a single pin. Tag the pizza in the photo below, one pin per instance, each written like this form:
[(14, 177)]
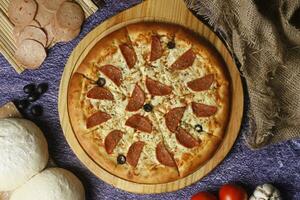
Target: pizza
[(150, 102)]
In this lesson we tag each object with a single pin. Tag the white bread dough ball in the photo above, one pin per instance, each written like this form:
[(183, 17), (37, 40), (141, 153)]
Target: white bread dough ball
[(23, 152), (51, 184)]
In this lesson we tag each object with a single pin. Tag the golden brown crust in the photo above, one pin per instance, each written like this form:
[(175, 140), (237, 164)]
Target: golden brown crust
[(199, 155), (76, 114), (88, 72)]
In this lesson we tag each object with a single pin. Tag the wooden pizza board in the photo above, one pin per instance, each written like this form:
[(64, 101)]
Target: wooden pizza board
[(173, 11), (8, 110), (7, 42)]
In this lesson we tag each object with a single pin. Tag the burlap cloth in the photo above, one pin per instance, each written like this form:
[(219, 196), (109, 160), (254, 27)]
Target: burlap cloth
[(266, 42)]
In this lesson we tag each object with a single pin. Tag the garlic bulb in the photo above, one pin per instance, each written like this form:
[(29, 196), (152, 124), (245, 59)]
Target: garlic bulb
[(266, 192)]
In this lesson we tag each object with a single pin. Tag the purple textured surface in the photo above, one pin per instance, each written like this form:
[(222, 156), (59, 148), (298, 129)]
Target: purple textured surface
[(278, 164)]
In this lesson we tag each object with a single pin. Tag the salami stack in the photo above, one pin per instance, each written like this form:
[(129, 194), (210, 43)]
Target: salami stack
[(40, 24)]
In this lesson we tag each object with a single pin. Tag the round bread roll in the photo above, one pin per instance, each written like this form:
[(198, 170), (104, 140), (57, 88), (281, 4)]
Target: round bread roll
[(23, 152), (51, 184)]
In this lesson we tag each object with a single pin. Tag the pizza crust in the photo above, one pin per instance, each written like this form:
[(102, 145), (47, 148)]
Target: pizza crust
[(76, 114)]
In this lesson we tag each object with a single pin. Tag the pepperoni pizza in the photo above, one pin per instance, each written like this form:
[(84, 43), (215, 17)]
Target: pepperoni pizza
[(150, 102)]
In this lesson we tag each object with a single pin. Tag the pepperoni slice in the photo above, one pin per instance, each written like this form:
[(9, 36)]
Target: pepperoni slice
[(100, 93), (111, 140), (157, 88), (184, 61), (129, 55), (185, 139), (156, 48), (164, 156), (97, 118), (134, 153), (140, 123), (173, 118), (113, 73), (137, 99), (202, 83), (203, 110)]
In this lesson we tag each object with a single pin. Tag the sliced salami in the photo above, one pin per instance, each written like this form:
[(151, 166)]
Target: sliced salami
[(33, 33), (129, 55), (18, 29), (156, 48), (140, 123), (184, 61), (134, 153), (203, 110), (69, 15), (100, 93), (185, 139), (164, 156), (50, 35), (137, 99), (113, 73), (43, 16), (51, 5), (173, 118), (202, 83), (40, 1), (21, 12), (63, 34), (35, 23), (111, 140), (157, 88), (30, 53), (97, 119)]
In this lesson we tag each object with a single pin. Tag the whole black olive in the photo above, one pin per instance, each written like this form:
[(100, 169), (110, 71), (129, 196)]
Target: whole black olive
[(121, 159), (36, 110), (42, 88), (29, 89)]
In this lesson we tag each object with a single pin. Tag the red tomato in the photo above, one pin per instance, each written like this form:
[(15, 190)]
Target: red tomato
[(232, 192), (203, 196)]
